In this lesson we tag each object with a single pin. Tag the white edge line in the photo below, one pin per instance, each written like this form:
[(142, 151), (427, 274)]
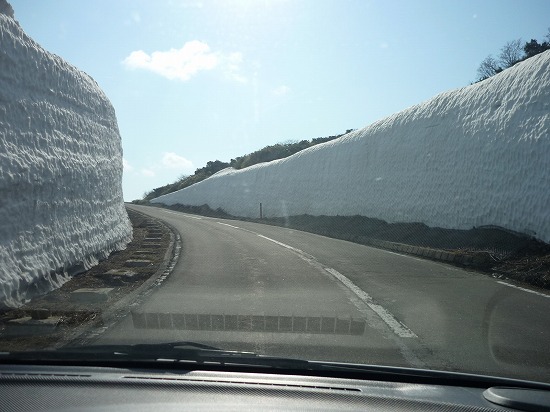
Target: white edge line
[(403, 255), (397, 327), (523, 289), (298, 251)]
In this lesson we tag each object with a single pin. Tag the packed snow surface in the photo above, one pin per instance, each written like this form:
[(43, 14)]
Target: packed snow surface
[(61, 205), (479, 155)]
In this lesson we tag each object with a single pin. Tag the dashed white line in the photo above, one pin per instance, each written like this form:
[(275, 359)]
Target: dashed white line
[(183, 215), (227, 224)]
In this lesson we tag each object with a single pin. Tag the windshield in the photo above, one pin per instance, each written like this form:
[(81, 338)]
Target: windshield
[(347, 181)]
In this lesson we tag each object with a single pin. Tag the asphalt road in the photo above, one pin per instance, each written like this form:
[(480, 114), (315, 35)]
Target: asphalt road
[(247, 286)]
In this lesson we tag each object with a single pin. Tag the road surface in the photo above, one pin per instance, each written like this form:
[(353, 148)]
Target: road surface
[(272, 290)]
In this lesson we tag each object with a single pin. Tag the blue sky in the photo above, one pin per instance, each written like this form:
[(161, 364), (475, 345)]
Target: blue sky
[(193, 81)]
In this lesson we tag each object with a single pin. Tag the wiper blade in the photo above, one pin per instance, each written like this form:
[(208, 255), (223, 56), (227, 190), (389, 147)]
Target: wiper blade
[(192, 353), (197, 355), (184, 351)]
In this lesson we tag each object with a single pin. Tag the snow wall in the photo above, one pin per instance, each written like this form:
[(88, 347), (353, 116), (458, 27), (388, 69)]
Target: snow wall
[(61, 204), (479, 155)]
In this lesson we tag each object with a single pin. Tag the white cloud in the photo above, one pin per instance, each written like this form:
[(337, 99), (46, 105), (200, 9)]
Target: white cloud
[(181, 64), (169, 163), (281, 90), (147, 172), (171, 160), (126, 166)]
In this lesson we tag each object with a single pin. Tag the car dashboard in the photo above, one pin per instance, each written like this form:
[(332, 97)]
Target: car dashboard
[(49, 388)]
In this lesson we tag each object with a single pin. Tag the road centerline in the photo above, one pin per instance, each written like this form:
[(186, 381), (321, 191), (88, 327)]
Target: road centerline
[(227, 224)]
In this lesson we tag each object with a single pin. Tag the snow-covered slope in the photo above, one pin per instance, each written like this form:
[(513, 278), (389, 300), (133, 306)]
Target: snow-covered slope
[(61, 202), (479, 155)]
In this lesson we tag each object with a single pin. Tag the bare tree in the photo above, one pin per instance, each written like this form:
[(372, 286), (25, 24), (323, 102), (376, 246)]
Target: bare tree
[(511, 53), (488, 67)]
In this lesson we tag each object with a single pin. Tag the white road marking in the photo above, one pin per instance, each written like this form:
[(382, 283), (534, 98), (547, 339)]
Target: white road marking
[(524, 289), (181, 214), (298, 251), (190, 217), (397, 327), (403, 255), (227, 224)]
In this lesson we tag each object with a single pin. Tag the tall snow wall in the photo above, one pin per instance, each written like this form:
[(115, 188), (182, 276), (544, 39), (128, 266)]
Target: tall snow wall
[(479, 155), (61, 205)]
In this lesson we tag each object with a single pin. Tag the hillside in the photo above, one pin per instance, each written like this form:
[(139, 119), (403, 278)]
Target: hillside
[(468, 157), (265, 154), (61, 207)]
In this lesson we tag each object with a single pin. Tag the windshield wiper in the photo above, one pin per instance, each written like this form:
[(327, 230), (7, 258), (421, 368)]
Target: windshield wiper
[(181, 352), (194, 355)]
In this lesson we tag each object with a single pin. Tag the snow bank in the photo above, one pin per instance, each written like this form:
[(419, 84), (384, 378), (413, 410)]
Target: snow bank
[(61, 205), (475, 156)]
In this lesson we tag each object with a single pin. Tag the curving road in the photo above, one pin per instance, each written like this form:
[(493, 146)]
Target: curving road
[(247, 286)]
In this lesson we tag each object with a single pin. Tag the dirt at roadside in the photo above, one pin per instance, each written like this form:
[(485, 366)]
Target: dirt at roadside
[(151, 242), (530, 268)]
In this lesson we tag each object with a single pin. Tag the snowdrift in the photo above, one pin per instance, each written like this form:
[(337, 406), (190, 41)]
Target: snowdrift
[(479, 155), (61, 205)]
